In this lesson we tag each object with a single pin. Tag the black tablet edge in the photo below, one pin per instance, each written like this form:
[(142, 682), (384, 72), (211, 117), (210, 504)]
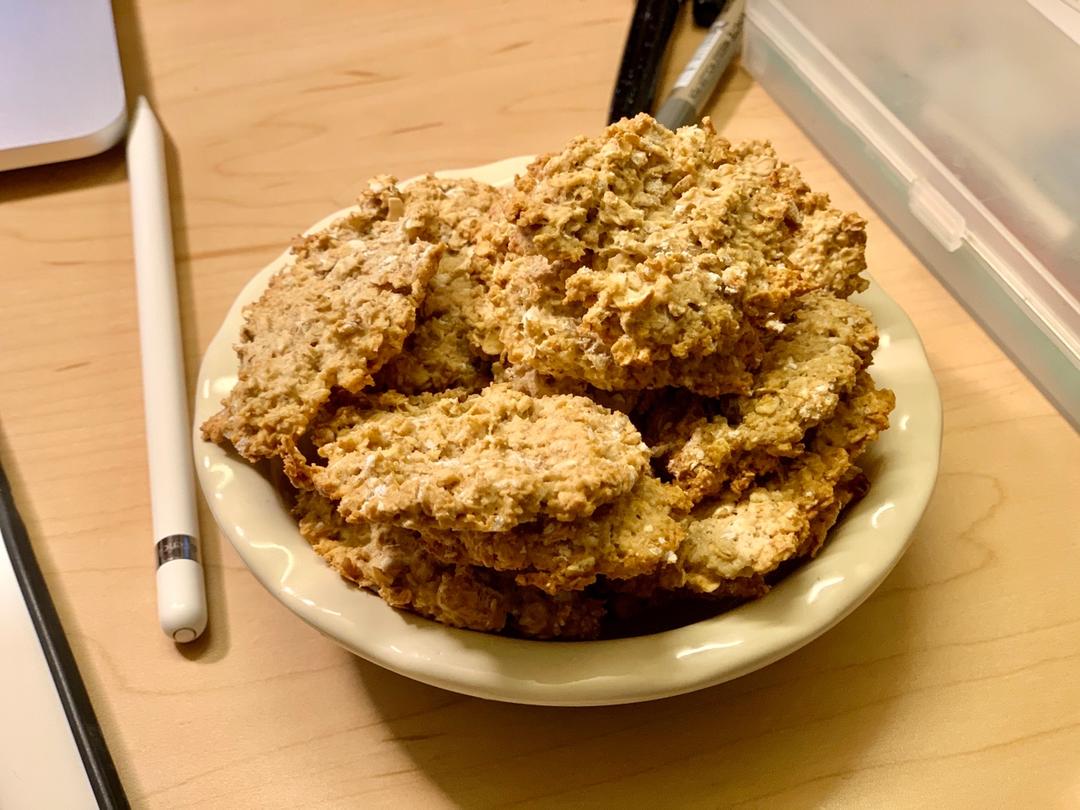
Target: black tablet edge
[(85, 728)]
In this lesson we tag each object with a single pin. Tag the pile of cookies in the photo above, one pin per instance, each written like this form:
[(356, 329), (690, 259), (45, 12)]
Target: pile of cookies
[(630, 380)]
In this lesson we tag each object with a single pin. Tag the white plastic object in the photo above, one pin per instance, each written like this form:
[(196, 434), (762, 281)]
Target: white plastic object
[(181, 595), (959, 125), (61, 87)]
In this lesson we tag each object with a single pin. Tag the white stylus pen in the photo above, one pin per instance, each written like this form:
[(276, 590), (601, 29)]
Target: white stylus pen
[(181, 594)]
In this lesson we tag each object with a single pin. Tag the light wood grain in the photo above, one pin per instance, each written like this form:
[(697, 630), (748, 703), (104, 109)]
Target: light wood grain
[(955, 685)]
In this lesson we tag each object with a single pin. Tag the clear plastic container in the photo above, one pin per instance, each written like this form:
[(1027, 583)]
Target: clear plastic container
[(960, 123)]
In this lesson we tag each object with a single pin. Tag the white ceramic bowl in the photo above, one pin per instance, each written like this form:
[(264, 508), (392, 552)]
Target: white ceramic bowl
[(861, 551)]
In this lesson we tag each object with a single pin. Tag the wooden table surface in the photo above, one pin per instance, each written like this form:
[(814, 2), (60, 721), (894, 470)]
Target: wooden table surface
[(957, 684)]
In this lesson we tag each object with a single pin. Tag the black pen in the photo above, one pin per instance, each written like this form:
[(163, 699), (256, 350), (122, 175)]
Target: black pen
[(639, 71)]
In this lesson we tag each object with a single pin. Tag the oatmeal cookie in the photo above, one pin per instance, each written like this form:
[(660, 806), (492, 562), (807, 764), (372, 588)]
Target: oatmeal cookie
[(338, 312), (652, 258), (789, 513), (453, 344), (808, 367), (626, 538), (486, 462), (394, 564)]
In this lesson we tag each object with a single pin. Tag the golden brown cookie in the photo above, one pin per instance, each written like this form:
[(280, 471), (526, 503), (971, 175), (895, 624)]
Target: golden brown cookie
[(810, 364), (629, 537), (540, 330), (788, 513), (394, 564), (340, 310), (486, 462), (653, 258), (453, 344)]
